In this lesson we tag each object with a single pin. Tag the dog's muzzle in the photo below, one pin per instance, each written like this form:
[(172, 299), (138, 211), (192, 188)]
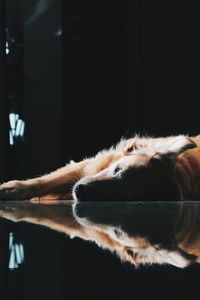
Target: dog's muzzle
[(95, 191)]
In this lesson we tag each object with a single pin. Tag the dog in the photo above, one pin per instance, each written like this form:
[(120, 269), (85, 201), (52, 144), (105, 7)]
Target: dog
[(139, 170)]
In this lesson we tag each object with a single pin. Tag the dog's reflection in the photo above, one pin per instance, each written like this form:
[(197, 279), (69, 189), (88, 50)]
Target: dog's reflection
[(138, 232), (151, 232)]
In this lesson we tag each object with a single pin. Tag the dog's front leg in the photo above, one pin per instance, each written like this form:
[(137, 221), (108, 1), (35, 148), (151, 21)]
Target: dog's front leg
[(57, 184)]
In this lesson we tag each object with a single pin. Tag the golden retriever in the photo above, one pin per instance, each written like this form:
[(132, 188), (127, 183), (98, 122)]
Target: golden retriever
[(135, 170)]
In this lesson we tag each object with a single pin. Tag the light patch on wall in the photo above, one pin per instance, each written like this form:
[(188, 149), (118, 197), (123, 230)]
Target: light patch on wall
[(16, 253), (58, 32), (7, 48), (17, 128)]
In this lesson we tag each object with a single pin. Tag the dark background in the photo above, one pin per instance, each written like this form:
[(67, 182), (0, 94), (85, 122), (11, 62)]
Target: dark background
[(81, 74)]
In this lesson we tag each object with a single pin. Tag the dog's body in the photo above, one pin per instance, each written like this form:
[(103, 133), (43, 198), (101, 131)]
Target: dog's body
[(137, 169)]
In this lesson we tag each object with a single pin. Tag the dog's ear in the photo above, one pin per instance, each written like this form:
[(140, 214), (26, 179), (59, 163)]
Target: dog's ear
[(173, 147)]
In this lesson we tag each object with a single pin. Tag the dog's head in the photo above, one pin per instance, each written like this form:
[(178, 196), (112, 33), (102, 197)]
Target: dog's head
[(145, 171)]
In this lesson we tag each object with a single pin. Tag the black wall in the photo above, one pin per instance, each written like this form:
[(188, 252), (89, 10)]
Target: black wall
[(95, 67), (129, 66), (170, 64)]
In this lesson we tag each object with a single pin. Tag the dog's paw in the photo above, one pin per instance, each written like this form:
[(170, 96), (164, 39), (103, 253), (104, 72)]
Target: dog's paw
[(12, 190)]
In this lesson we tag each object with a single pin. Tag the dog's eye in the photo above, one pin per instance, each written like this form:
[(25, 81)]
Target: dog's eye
[(118, 233), (130, 149), (116, 170)]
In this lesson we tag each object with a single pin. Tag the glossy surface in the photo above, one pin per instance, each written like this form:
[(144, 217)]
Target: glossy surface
[(139, 232)]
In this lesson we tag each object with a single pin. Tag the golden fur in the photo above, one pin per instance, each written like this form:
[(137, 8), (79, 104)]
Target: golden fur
[(136, 169)]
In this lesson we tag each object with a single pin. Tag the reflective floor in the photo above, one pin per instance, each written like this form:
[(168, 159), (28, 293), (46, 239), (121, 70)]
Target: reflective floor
[(138, 232), (150, 249)]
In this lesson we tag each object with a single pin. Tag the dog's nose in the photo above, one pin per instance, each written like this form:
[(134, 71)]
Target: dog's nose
[(80, 192)]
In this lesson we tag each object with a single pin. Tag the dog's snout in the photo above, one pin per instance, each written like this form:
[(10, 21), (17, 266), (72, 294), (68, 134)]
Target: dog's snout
[(86, 192), (95, 191)]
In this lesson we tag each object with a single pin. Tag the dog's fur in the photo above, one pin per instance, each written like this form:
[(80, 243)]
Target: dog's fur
[(136, 169)]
